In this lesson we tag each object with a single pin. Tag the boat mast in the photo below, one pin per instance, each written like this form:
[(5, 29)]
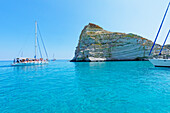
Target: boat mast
[(164, 43), (159, 28), (35, 39)]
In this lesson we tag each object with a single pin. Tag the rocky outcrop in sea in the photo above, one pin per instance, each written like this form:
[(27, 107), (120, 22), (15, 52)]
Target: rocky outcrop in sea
[(97, 44)]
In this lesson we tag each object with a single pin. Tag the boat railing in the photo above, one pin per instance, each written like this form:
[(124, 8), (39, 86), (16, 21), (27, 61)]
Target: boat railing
[(164, 56)]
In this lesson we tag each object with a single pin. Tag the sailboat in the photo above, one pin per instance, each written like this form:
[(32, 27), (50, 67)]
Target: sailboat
[(32, 61), (161, 62), (53, 58)]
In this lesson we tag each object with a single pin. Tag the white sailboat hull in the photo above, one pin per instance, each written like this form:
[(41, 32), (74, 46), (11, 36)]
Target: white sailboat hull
[(160, 62), (30, 63)]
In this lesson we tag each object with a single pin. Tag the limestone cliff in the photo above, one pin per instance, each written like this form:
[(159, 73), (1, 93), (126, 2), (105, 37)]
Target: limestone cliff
[(97, 44), (167, 46)]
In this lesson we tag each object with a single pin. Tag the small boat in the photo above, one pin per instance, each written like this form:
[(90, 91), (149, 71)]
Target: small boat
[(164, 61), (53, 58), (32, 61)]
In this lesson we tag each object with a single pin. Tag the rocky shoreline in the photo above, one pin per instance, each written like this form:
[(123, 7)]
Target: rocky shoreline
[(108, 60)]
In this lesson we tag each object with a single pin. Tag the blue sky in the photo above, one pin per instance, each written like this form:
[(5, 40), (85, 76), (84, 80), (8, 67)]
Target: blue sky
[(61, 22)]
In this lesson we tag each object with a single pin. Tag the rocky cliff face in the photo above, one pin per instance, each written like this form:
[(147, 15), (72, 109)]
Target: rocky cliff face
[(167, 46), (97, 44)]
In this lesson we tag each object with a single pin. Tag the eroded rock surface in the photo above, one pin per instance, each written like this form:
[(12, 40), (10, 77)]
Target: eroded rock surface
[(97, 44)]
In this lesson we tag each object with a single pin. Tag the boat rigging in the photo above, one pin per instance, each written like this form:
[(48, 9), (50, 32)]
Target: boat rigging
[(161, 62), (33, 61)]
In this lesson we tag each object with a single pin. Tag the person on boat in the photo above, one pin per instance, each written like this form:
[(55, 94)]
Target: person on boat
[(17, 61), (14, 61)]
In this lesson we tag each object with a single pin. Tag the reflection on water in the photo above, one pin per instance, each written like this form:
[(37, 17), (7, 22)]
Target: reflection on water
[(84, 87), (119, 86), (160, 68), (29, 68)]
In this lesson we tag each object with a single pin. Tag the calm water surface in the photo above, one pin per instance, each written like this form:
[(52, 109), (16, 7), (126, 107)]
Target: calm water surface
[(100, 87)]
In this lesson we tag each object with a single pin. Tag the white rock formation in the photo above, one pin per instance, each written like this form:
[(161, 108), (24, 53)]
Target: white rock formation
[(97, 44)]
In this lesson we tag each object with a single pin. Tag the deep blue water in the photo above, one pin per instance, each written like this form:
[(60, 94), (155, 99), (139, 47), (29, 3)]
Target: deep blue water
[(89, 87)]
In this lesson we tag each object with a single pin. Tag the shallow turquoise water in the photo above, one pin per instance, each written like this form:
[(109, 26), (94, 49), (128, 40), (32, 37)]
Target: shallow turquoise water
[(100, 87)]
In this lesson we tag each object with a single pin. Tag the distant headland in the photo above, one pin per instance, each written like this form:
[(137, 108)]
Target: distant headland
[(97, 44)]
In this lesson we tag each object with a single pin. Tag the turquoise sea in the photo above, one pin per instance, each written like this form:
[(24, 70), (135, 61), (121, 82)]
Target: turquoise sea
[(85, 87)]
